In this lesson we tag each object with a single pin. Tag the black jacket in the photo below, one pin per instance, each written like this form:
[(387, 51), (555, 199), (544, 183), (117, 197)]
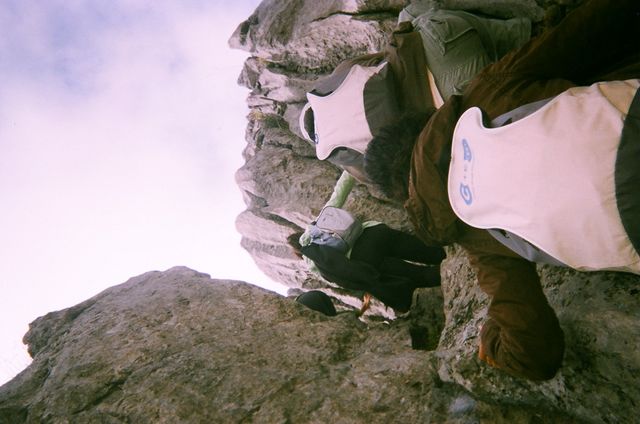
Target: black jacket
[(393, 291)]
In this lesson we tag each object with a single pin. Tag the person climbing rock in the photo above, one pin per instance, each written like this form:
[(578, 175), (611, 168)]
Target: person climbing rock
[(434, 165)]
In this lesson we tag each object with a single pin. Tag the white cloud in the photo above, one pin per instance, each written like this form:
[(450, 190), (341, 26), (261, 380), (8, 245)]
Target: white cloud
[(121, 126)]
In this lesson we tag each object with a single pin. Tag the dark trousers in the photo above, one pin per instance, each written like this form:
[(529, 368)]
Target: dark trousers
[(388, 250)]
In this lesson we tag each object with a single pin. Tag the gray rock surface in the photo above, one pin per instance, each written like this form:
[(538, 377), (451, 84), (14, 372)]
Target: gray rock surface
[(180, 347), (292, 43), (315, 34), (277, 74)]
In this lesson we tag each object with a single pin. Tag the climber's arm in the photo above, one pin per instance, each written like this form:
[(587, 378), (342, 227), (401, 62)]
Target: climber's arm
[(338, 198), (341, 190), (521, 334), (595, 35)]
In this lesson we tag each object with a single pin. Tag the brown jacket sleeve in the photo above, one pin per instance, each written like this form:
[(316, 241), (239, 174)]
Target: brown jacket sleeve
[(592, 38), (595, 39), (521, 335)]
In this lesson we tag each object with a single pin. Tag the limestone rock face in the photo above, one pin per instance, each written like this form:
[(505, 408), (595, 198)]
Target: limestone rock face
[(178, 346), (315, 34), (295, 42), (292, 44)]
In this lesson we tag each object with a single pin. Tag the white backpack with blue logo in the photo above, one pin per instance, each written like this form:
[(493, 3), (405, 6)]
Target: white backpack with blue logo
[(565, 179)]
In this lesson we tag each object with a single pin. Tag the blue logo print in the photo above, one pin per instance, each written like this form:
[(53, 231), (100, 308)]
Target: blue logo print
[(465, 192), (467, 150)]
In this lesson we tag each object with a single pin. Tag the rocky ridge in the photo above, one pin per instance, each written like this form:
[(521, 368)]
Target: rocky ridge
[(292, 44), (285, 67), (178, 346)]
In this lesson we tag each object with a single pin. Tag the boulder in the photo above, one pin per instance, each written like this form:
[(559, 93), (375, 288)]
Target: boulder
[(178, 346)]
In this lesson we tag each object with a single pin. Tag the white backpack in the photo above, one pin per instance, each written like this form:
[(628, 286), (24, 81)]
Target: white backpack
[(564, 178), (337, 228)]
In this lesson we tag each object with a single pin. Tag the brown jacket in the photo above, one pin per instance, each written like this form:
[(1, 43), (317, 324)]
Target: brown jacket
[(597, 42)]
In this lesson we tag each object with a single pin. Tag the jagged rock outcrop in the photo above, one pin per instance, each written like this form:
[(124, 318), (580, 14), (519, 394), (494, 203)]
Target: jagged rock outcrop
[(293, 43), (299, 34), (178, 346), (285, 187)]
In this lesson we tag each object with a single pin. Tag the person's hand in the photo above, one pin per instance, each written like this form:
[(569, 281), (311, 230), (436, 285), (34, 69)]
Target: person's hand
[(482, 355), (366, 301)]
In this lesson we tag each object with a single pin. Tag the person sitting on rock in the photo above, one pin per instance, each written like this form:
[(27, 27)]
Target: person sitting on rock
[(384, 262), (434, 164)]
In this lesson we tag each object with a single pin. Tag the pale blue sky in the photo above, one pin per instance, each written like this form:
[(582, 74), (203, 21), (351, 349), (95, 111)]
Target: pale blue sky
[(121, 126)]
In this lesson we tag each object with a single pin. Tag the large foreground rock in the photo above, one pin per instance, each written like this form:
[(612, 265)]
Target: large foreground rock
[(180, 347)]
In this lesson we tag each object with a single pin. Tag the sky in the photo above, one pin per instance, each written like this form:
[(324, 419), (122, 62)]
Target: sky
[(121, 128)]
